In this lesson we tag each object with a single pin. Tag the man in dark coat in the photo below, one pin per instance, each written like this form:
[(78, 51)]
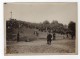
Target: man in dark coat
[(49, 36), (18, 37)]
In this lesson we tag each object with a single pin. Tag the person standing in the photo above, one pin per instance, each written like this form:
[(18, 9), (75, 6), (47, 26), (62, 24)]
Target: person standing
[(53, 36), (49, 36), (18, 37)]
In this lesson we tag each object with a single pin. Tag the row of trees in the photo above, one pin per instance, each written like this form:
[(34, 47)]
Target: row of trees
[(45, 26)]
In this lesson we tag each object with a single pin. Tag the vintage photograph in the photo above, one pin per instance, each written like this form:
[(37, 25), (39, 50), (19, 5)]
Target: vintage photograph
[(40, 28)]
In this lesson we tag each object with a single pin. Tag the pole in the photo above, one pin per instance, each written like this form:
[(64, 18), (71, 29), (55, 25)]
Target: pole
[(11, 14)]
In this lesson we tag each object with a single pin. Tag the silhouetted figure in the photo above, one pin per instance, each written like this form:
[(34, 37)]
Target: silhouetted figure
[(72, 35), (49, 36), (37, 33), (18, 37), (34, 32), (67, 35), (53, 36)]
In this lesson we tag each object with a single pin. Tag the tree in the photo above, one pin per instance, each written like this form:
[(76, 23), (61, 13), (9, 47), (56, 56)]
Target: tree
[(46, 22), (71, 26), (54, 22)]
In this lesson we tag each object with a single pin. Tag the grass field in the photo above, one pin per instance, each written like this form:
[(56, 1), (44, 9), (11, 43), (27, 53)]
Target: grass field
[(40, 46)]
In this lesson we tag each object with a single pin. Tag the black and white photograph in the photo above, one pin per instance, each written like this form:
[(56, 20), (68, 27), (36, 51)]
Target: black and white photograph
[(40, 28)]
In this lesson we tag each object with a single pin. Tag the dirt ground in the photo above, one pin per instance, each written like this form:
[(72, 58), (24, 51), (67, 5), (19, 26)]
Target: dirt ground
[(41, 46)]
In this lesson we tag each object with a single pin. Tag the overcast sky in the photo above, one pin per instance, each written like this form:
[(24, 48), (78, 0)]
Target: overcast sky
[(39, 12)]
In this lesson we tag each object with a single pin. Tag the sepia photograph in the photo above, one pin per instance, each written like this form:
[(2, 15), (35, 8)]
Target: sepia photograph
[(40, 28)]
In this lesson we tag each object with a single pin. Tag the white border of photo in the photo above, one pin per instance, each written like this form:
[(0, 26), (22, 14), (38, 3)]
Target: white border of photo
[(35, 56)]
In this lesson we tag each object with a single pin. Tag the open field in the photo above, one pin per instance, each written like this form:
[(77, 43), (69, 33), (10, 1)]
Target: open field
[(40, 46), (62, 44)]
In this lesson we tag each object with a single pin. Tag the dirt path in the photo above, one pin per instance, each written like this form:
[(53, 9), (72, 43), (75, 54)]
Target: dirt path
[(40, 46)]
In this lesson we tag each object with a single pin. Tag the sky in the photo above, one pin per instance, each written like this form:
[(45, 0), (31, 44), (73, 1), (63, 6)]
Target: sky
[(39, 12)]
